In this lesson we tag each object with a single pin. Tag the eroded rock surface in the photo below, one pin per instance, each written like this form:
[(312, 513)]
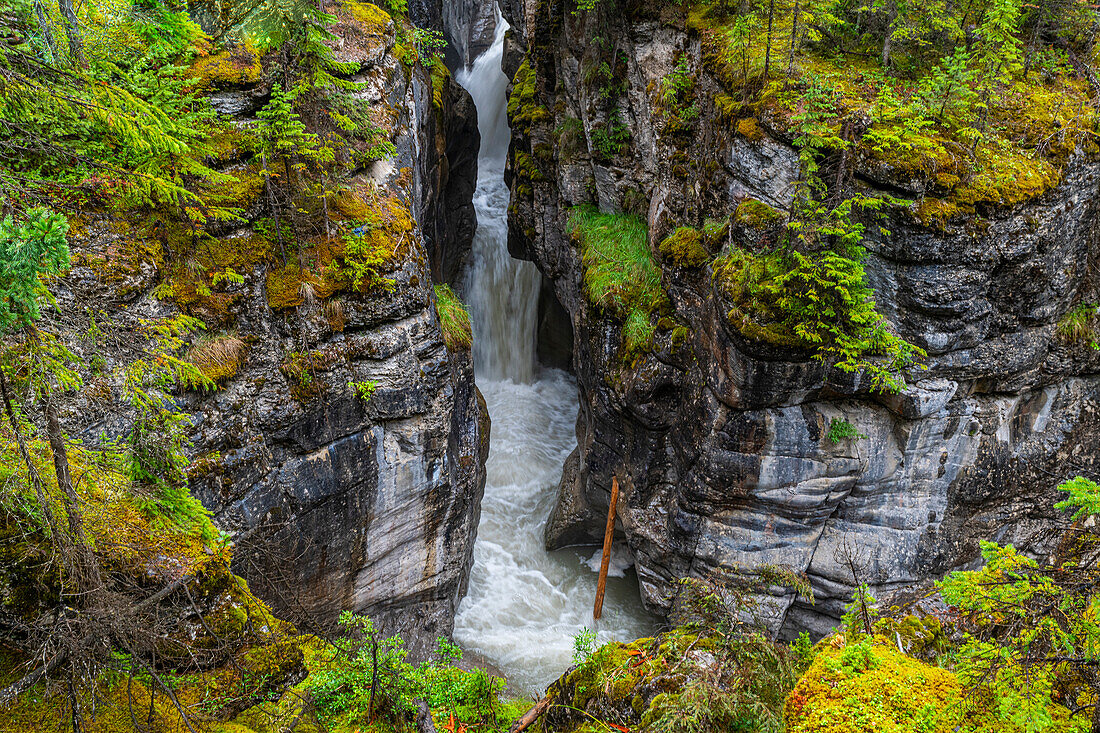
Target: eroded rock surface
[(721, 442), (345, 455)]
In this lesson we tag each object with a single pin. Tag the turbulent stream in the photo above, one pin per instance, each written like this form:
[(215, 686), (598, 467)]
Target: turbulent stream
[(524, 605)]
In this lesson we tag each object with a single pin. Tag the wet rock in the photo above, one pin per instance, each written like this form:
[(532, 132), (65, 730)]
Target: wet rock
[(722, 444)]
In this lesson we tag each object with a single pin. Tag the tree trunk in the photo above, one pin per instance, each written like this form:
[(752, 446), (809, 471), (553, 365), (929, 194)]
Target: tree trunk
[(888, 42), (35, 478), (768, 49), (794, 39), (85, 569), (271, 205), (72, 30), (47, 32)]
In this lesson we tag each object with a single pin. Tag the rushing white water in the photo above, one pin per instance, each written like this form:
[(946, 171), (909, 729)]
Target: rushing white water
[(525, 605)]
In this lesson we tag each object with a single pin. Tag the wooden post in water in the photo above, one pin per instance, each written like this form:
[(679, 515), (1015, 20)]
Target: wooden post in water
[(601, 584)]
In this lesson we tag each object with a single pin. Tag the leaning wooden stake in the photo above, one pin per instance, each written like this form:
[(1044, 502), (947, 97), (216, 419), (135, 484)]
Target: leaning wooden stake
[(601, 584)]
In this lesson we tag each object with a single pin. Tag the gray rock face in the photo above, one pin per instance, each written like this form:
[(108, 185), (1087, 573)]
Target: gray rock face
[(469, 26), (721, 444), (335, 501)]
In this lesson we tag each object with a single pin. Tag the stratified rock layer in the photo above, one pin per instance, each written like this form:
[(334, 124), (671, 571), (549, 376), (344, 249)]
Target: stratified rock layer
[(721, 443), (340, 499)]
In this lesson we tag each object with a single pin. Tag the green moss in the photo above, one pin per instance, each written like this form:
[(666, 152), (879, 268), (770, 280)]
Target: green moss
[(441, 77), (757, 215), (454, 318), (523, 112), (685, 248), (240, 65), (872, 686), (526, 167), (749, 129)]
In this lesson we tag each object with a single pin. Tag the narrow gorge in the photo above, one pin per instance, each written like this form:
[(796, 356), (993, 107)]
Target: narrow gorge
[(326, 328)]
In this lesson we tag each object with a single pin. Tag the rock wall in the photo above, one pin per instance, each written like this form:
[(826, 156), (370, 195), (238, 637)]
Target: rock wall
[(721, 441), (336, 501)]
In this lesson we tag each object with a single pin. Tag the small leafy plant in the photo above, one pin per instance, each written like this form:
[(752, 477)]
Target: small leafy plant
[(584, 646), (363, 390), (840, 429)]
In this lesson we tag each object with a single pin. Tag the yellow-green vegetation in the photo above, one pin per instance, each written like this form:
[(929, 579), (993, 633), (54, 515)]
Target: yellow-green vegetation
[(301, 369), (341, 679), (241, 651), (682, 680), (985, 119), (217, 358), (870, 685), (757, 215), (240, 64), (685, 247), (620, 273), (818, 302), (380, 232), (454, 318), (523, 112), (1081, 325), (441, 76), (129, 533)]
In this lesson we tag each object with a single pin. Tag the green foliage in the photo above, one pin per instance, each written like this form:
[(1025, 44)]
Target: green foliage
[(612, 138), (363, 390), (868, 685), (817, 301), (29, 251), (860, 615), (621, 274), (685, 247), (367, 678), (584, 645), (364, 260), (1084, 497), (454, 318), (158, 439), (1032, 629), (1081, 325), (396, 7), (840, 429)]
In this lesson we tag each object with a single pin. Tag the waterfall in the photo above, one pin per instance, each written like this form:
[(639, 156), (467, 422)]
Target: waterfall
[(503, 292), (524, 605)]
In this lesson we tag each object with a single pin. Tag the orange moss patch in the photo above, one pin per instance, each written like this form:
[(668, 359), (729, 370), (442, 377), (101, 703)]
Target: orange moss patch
[(379, 234)]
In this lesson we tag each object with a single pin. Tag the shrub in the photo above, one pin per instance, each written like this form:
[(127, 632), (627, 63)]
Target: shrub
[(1080, 325), (816, 301), (367, 679), (363, 390), (840, 429)]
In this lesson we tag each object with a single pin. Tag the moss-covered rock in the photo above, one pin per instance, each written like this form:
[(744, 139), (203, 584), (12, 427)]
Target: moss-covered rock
[(871, 685)]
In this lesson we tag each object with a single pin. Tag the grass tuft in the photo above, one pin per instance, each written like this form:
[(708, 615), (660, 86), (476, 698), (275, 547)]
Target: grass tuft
[(1081, 325), (620, 273), (218, 358), (458, 334)]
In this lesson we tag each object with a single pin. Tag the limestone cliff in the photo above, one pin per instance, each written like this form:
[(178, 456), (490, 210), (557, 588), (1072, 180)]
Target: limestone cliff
[(343, 447), (721, 434)]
